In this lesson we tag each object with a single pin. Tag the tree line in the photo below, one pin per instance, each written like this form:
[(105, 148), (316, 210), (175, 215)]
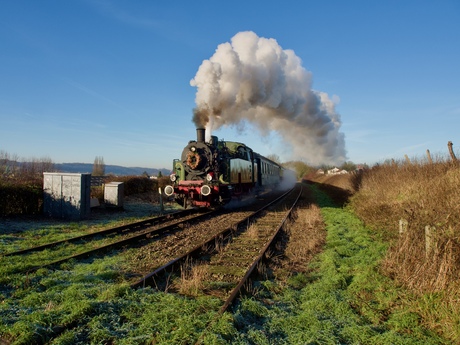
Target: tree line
[(12, 167)]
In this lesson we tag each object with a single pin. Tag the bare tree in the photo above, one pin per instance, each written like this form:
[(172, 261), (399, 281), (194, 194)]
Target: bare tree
[(8, 163), (299, 167), (99, 166), (35, 167)]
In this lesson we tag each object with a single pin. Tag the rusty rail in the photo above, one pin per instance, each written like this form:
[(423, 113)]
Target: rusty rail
[(237, 289), (235, 292), (115, 230), (145, 234), (149, 279)]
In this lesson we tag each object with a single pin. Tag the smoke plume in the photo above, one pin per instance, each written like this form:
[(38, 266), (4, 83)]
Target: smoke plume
[(252, 79)]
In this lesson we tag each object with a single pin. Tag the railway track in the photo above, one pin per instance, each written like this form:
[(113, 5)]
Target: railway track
[(244, 243), (231, 237), (248, 250), (123, 229), (130, 233)]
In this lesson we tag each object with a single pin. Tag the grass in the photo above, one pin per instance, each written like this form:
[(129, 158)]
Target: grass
[(347, 294), (420, 194), (21, 233), (343, 299), (98, 306)]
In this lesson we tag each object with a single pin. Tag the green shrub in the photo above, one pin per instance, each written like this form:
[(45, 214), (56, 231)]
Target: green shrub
[(135, 184), (20, 199)]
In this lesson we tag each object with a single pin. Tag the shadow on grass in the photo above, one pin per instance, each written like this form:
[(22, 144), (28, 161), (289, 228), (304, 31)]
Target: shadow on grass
[(338, 197)]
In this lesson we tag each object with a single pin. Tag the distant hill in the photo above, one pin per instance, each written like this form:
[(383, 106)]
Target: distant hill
[(109, 169)]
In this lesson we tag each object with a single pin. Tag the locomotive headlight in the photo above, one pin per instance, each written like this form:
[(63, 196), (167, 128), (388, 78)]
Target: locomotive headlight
[(209, 177), (172, 177), (193, 149), (169, 190), (205, 190)]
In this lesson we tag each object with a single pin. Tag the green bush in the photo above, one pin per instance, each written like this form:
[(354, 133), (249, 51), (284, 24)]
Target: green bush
[(135, 184), (20, 199)]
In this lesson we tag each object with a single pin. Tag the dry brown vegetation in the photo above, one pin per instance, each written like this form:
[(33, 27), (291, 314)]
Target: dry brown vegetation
[(304, 237), (344, 182), (415, 206), (193, 276), (424, 199)]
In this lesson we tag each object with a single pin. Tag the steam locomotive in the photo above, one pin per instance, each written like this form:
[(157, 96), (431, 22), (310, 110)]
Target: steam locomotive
[(211, 173)]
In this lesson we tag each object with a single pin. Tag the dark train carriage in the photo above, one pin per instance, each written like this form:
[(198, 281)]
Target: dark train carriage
[(269, 172)]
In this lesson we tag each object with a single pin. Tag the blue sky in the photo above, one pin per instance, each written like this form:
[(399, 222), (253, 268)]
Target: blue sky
[(81, 78)]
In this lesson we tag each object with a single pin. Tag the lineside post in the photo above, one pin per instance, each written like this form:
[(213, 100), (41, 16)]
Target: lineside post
[(451, 151), (162, 209)]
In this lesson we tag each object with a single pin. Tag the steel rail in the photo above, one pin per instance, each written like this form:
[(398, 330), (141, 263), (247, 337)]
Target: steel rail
[(118, 229), (258, 259), (237, 289), (149, 279), (102, 249)]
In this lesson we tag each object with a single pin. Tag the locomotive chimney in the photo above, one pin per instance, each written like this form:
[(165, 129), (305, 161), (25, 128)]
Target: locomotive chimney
[(200, 135)]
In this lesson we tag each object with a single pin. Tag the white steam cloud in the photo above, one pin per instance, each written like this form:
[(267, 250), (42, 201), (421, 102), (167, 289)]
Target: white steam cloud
[(253, 79)]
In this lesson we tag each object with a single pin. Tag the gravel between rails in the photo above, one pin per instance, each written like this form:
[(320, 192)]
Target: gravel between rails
[(177, 243)]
